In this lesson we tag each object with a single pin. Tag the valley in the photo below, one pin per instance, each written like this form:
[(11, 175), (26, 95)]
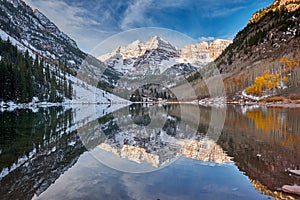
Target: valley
[(153, 117), (261, 49)]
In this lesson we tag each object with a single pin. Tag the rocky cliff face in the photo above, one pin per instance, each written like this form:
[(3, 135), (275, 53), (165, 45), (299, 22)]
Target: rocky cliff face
[(205, 51), (277, 5)]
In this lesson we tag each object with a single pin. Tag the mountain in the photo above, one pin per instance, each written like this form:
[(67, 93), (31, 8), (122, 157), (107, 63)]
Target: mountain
[(268, 47), (136, 59), (33, 29), (204, 52), (35, 32), (47, 52), (157, 56), (147, 69)]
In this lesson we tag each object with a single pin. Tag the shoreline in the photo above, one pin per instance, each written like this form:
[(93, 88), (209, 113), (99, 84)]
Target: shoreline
[(204, 102), (11, 106)]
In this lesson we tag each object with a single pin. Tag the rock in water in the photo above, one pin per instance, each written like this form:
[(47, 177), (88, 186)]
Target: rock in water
[(292, 189)]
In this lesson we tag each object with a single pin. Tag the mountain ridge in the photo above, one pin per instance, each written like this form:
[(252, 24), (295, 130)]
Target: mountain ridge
[(37, 37), (35, 31), (265, 46), (159, 55)]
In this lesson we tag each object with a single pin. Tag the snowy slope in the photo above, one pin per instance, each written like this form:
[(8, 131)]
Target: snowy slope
[(84, 93), (87, 94), (33, 30)]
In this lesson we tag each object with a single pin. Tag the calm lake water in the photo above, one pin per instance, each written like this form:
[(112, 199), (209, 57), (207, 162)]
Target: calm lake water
[(148, 152)]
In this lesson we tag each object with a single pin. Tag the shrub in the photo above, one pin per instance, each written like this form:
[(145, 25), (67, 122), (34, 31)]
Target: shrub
[(274, 99), (294, 96)]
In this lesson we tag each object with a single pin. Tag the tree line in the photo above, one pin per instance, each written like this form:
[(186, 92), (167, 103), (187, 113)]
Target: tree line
[(24, 77)]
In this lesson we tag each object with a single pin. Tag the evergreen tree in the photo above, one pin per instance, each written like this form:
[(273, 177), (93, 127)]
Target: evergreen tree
[(22, 77)]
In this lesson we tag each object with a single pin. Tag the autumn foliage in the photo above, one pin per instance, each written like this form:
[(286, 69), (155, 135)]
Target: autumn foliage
[(269, 81), (289, 63), (273, 122)]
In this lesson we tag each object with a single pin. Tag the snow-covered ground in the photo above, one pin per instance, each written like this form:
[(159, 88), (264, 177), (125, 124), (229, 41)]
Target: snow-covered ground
[(85, 93), (256, 98), (215, 102), (34, 106)]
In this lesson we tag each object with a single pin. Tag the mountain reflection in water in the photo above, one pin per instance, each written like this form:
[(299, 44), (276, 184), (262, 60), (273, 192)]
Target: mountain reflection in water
[(38, 149)]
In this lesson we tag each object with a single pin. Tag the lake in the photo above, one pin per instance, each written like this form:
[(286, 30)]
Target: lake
[(149, 152)]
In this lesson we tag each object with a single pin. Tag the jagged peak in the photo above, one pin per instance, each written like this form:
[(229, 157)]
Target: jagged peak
[(220, 42), (157, 42), (43, 19), (134, 45), (157, 39), (31, 25), (137, 48)]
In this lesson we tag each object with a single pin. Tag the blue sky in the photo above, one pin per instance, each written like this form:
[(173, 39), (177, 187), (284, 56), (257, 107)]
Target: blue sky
[(89, 22)]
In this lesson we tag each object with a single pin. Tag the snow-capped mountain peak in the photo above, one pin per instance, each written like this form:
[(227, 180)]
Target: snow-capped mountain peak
[(134, 45), (134, 49), (137, 58), (157, 55), (157, 42)]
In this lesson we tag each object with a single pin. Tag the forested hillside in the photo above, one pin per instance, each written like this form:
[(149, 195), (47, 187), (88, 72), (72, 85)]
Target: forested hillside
[(24, 79), (264, 58)]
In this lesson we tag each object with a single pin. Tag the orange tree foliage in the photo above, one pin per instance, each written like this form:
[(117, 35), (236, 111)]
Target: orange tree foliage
[(269, 81), (271, 123), (266, 81), (289, 63)]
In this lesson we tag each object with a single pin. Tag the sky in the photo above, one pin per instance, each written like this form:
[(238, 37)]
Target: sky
[(90, 22)]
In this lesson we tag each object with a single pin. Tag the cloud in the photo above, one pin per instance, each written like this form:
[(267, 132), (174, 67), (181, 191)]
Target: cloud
[(221, 12), (135, 15), (206, 39), (90, 22), (66, 16), (75, 21), (143, 13)]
